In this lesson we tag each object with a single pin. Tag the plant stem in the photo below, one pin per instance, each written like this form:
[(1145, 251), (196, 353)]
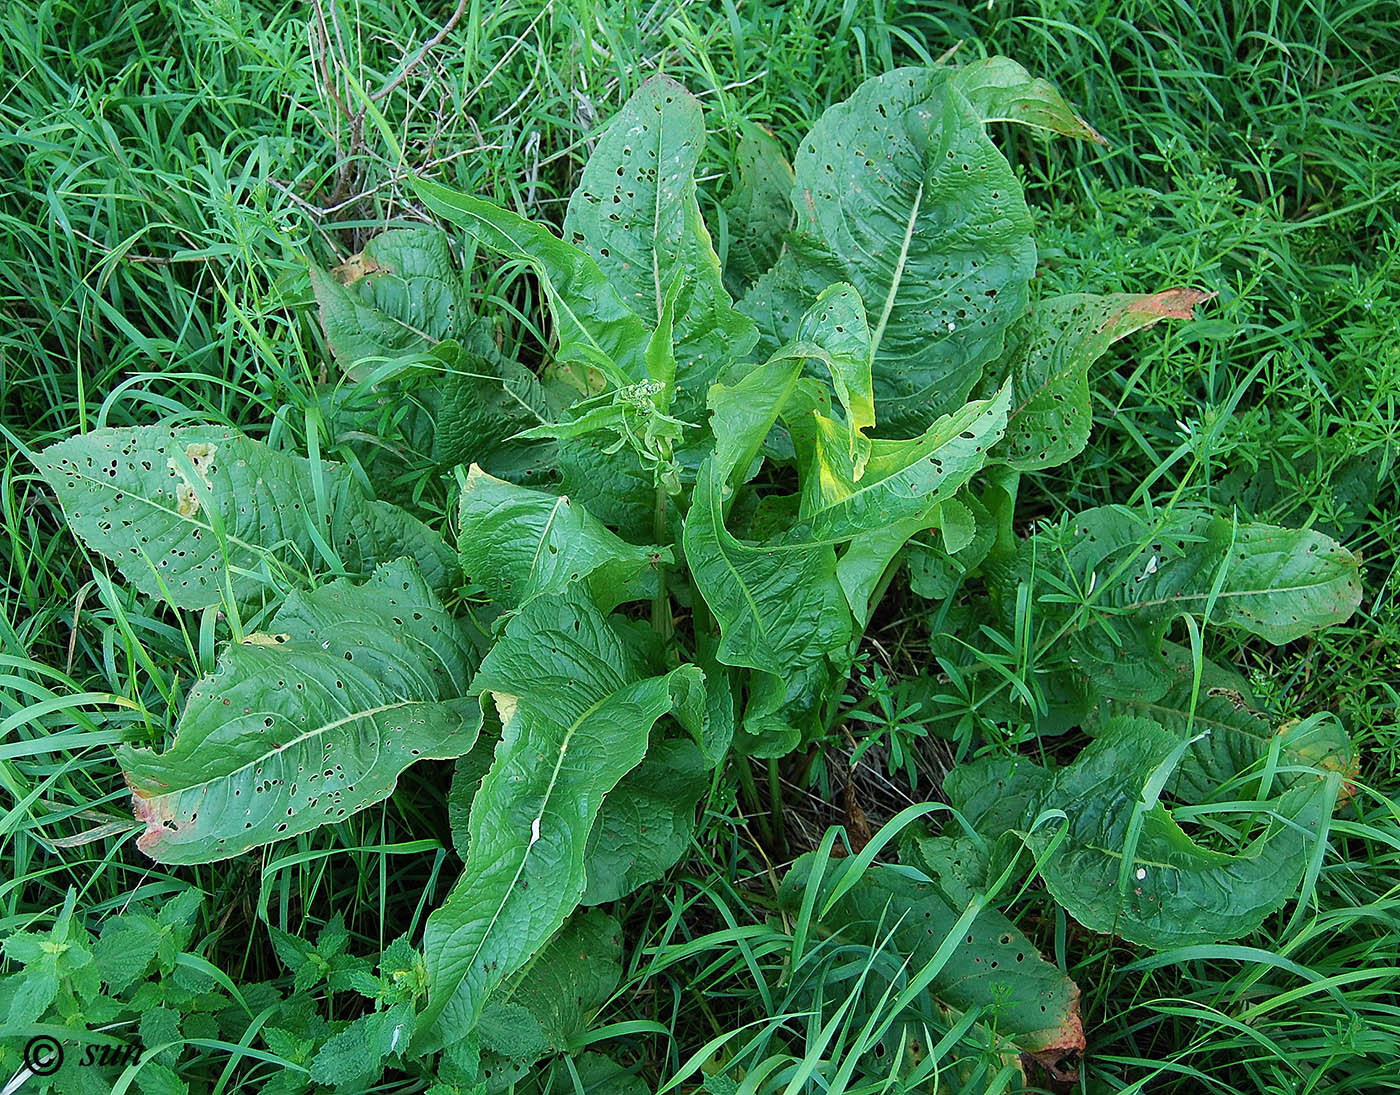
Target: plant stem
[(750, 792), (661, 605), (775, 806)]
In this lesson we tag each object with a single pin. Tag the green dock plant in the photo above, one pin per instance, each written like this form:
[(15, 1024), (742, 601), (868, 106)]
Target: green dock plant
[(669, 542)]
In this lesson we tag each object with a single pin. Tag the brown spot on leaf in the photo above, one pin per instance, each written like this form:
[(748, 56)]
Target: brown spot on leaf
[(353, 269), (1169, 303)]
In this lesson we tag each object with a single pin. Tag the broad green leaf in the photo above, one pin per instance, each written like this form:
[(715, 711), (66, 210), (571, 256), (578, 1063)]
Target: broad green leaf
[(1052, 350), (613, 487), (934, 568), (182, 512), (902, 481), (576, 713), (550, 1002), (310, 722), (996, 794), (779, 605), (896, 491), (759, 210), (1178, 891), (1237, 744), (485, 401), (645, 824), (518, 544), (1000, 90), (900, 192), (402, 293), (635, 212), (595, 328), (1137, 575), (994, 969)]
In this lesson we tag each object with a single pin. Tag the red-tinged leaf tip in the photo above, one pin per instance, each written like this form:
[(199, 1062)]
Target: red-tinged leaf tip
[(1064, 1045), (1170, 303)]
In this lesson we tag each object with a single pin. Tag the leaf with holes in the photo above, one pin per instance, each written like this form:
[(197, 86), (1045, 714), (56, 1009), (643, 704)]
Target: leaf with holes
[(311, 722), (758, 211), (549, 1003), (779, 604), (900, 192), (1116, 578), (1051, 351), (576, 710), (1127, 867), (635, 212), (403, 293), (995, 970), (1000, 90), (185, 512)]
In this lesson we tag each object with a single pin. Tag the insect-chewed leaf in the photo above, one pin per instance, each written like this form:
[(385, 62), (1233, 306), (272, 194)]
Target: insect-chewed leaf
[(593, 324), (182, 512), (1139, 574), (576, 714), (636, 213), (994, 968), (996, 794), (900, 192), (646, 821), (518, 544), (1052, 350), (902, 481), (1177, 892), (1000, 90), (402, 293), (310, 724), (551, 1001), (759, 209)]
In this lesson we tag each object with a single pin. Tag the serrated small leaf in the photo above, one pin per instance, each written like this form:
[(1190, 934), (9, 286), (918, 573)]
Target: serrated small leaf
[(310, 724), (126, 948), (158, 1079), (181, 512), (355, 1055), (576, 712)]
